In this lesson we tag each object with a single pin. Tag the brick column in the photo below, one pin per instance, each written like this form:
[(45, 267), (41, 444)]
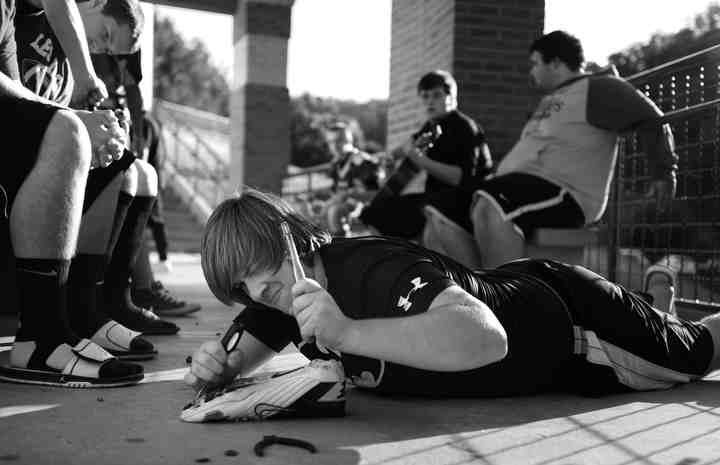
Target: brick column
[(422, 40), (259, 112), (484, 44)]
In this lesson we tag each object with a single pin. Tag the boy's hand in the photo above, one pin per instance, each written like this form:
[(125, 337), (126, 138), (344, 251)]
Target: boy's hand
[(88, 92), (106, 136), (212, 365), (318, 315)]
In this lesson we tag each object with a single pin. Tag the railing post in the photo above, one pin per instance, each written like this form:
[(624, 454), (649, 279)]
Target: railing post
[(613, 215)]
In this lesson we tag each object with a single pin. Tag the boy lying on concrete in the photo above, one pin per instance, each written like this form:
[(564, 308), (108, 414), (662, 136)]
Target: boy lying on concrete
[(408, 320)]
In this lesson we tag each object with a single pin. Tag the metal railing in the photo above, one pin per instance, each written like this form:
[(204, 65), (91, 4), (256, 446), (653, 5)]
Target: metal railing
[(196, 149), (686, 236)]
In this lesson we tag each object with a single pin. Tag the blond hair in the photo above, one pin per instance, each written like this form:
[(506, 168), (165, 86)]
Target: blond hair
[(243, 236)]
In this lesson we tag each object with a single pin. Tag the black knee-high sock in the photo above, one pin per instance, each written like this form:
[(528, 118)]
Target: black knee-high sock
[(42, 295), (86, 276), (124, 202), (142, 275), (117, 286)]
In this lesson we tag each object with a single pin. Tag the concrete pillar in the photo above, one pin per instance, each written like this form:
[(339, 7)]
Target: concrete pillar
[(147, 47), (484, 44), (259, 112)]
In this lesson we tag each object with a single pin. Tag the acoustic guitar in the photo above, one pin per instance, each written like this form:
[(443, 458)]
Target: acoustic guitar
[(406, 170)]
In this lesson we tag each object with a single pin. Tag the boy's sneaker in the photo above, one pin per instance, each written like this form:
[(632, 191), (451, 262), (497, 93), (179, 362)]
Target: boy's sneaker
[(160, 301), (315, 390)]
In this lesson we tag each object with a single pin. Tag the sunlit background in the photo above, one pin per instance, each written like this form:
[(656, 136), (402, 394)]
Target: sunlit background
[(341, 48)]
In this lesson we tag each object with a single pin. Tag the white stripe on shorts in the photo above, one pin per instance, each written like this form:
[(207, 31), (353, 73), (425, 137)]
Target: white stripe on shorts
[(631, 370), (551, 202)]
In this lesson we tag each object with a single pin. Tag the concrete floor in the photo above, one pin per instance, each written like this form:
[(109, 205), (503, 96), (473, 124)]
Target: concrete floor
[(140, 424)]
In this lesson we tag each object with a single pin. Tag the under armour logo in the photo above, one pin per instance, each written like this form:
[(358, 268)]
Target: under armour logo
[(404, 301), (43, 46)]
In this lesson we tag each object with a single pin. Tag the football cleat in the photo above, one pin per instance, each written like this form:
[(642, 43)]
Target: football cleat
[(314, 390)]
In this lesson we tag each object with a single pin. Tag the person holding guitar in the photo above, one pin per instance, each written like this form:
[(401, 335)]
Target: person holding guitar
[(449, 149)]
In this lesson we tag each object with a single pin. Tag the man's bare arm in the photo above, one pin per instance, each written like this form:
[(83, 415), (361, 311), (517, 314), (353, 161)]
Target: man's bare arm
[(11, 88), (65, 20)]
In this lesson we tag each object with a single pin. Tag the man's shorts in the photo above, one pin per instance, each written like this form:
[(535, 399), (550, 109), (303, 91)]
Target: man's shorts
[(100, 178), (621, 342), (531, 202), (23, 124)]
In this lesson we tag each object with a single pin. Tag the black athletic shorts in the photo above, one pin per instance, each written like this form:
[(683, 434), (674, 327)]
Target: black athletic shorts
[(531, 202), (23, 124), (99, 178), (621, 342)]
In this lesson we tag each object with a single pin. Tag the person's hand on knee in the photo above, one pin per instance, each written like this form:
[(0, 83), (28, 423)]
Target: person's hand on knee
[(107, 137)]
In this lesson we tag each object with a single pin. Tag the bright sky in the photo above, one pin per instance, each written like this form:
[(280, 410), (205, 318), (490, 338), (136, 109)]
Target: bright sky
[(341, 48)]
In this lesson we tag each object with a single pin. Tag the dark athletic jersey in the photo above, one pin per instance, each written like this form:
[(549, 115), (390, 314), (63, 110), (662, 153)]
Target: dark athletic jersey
[(458, 145), (373, 277), (43, 66), (8, 59)]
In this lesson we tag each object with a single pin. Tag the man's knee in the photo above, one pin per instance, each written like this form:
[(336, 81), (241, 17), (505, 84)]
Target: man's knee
[(487, 219), (130, 180), (147, 178), (66, 142)]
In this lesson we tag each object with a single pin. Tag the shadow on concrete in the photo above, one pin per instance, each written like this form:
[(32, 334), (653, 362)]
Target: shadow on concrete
[(141, 424)]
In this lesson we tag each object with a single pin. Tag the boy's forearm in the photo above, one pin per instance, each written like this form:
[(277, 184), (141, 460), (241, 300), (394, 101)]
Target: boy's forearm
[(449, 174), (450, 339), (65, 20), (12, 88)]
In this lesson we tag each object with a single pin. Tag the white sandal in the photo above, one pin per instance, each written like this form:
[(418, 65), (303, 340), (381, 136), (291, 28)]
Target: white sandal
[(122, 342), (71, 367)]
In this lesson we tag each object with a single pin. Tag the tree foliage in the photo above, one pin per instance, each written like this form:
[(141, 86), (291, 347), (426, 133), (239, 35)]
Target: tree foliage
[(661, 48), (311, 118), (184, 73)]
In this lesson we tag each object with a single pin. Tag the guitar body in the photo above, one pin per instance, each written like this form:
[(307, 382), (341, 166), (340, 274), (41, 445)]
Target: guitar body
[(406, 170), (396, 183)]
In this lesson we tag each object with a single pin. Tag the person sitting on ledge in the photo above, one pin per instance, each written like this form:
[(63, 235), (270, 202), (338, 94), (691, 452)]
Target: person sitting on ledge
[(558, 173)]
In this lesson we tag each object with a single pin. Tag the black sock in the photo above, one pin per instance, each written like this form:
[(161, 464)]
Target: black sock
[(142, 275), (117, 277), (42, 295), (124, 201), (86, 275)]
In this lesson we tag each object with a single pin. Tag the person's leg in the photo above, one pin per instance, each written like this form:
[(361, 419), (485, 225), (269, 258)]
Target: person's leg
[(156, 222), (399, 216), (157, 218), (117, 297), (87, 270), (88, 266), (659, 283), (508, 209), (142, 274), (44, 226), (498, 239), (443, 235), (712, 323), (151, 294), (621, 342)]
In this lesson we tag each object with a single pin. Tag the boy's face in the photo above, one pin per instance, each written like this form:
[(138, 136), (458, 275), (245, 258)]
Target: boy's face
[(542, 74), (271, 288), (436, 102), (105, 35)]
